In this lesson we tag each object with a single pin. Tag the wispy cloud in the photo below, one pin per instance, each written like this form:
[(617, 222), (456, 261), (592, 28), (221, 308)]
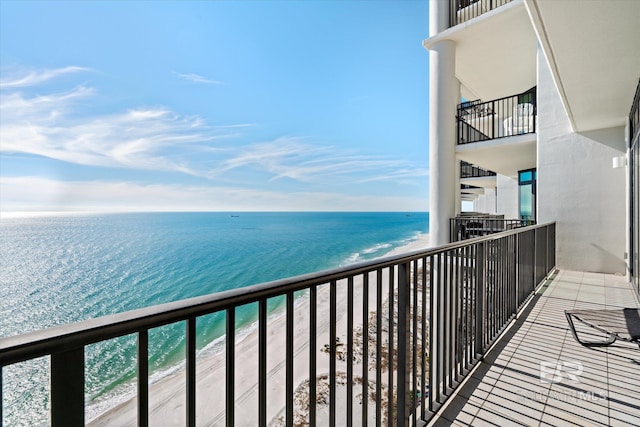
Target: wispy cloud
[(36, 77), (61, 125), (142, 138), (295, 158), (57, 125), (197, 78)]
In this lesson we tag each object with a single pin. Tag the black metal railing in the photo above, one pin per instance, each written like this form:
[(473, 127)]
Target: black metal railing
[(462, 228), (463, 10), (428, 317), (512, 115), (467, 170)]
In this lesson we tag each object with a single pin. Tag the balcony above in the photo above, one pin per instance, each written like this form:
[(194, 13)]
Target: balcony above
[(498, 135), (472, 176), (498, 118), (495, 52), (464, 10)]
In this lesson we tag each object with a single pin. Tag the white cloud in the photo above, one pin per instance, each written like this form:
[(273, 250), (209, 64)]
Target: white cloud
[(33, 78), (295, 158), (151, 138), (196, 78), (41, 194), (60, 125)]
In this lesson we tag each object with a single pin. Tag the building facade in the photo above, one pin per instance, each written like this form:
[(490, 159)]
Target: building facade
[(538, 94)]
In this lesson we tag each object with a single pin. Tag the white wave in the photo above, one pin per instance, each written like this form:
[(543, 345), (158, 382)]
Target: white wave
[(377, 248)]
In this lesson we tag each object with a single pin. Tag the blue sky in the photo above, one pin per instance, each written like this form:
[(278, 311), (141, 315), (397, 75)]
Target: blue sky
[(213, 105)]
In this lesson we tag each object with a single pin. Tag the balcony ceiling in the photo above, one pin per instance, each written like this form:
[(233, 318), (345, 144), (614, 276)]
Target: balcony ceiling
[(505, 156), (594, 52), (495, 53)]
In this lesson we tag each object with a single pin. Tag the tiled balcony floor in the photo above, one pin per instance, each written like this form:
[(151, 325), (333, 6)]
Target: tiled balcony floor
[(586, 386)]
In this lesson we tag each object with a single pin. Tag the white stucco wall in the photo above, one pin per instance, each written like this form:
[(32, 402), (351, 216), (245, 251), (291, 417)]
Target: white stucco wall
[(578, 187), (507, 194), (486, 202)]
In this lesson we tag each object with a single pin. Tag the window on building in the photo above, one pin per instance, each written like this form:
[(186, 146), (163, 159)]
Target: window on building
[(527, 194)]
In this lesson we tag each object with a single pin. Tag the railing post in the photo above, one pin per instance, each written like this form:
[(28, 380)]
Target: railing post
[(67, 388), (516, 257), (143, 378), (493, 119), (230, 361), (190, 370), (1, 399), (403, 342), (480, 298)]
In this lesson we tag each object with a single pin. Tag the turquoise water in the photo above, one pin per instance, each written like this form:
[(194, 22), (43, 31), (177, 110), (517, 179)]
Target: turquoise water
[(61, 269)]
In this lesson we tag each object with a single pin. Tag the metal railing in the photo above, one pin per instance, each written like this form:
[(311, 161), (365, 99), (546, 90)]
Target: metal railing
[(467, 170), (512, 115), (463, 10), (462, 228), (432, 315)]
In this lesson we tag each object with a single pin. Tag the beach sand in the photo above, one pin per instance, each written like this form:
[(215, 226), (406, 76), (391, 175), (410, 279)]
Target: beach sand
[(167, 396)]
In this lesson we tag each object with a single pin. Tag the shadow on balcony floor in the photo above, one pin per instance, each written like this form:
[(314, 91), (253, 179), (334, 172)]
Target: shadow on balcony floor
[(538, 375)]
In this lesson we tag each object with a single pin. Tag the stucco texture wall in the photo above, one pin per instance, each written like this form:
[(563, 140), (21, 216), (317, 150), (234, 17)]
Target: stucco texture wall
[(578, 187), (508, 197)]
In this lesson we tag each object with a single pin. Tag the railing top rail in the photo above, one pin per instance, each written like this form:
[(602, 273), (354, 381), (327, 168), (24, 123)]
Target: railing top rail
[(34, 344), (463, 106)]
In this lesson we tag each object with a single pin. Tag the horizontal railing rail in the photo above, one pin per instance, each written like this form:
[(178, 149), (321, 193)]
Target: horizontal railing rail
[(481, 121), (463, 10), (462, 228), (427, 317)]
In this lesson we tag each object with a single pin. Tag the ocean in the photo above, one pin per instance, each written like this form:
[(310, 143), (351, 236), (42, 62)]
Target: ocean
[(57, 269)]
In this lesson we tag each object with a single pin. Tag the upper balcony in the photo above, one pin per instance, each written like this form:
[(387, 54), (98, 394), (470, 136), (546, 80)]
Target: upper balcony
[(463, 10), (474, 179), (468, 170), (498, 118), (498, 135)]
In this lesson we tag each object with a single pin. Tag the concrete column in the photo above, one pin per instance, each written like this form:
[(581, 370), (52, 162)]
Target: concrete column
[(444, 95), (438, 16)]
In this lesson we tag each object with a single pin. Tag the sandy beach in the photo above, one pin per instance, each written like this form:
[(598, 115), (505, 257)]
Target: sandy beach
[(167, 396)]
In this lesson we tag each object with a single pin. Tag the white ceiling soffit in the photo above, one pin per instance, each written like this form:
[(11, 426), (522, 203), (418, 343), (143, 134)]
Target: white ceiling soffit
[(593, 51), (496, 53)]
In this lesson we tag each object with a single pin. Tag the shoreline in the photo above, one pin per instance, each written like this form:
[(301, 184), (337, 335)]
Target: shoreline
[(167, 397)]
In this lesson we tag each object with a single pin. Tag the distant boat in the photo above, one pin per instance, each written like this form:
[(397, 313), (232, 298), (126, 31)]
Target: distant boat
[(235, 216)]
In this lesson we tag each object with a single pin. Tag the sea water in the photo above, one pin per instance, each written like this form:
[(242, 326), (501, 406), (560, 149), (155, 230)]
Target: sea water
[(58, 269)]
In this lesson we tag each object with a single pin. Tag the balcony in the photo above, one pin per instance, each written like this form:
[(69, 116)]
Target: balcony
[(468, 170), (481, 121), (513, 385), (464, 10), (389, 339)]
